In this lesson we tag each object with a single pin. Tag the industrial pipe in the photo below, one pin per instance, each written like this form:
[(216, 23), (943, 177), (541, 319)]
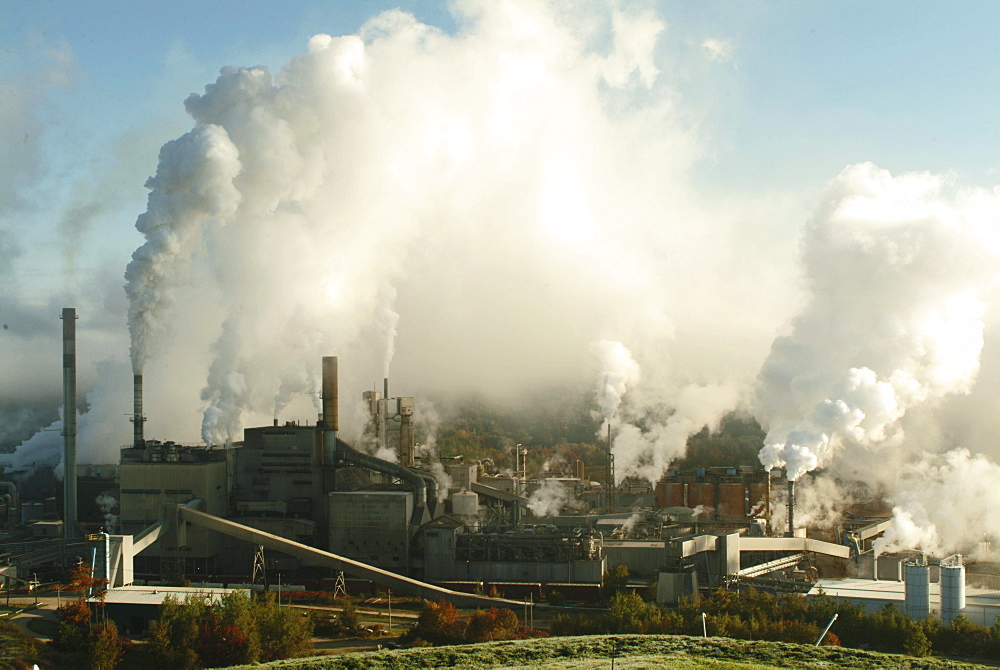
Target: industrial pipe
[(415, 479)]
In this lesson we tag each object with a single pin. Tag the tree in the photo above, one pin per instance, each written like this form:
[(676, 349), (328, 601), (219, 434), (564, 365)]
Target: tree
[(284, 632), (173, 639), (628, 613), (439, 623), (349, 619), (492, 624), (108, 648), (73, 630), (615, 579), (220, 644)]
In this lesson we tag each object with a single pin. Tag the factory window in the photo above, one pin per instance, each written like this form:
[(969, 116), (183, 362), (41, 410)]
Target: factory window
[(178, 491), (302, 482), (142, 491)]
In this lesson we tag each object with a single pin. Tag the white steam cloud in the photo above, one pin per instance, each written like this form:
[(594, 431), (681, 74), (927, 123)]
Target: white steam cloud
[(457, 196), (899, 273), (648, 431), (618, 371), (549, 498), (944, 504)]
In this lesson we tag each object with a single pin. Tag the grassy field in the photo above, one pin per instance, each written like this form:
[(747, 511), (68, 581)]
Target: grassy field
[(632, 652)]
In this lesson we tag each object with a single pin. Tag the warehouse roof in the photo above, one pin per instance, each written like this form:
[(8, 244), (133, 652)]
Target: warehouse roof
[(155, 595)]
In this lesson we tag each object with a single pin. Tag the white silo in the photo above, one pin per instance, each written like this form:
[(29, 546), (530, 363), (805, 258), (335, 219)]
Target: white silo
[(952, 588), (465, 503), (918, 590)]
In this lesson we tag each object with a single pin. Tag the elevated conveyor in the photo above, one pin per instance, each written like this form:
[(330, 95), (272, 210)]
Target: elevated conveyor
[(482, 489), (318, 556)]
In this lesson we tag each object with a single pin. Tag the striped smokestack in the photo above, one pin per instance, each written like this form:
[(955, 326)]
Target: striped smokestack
[(138, 440), (69, 422)]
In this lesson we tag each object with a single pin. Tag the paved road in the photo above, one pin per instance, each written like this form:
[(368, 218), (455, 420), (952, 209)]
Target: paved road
[(46, 611)]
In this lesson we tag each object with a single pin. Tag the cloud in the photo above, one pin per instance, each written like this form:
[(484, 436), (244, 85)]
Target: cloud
[(900, 271), (720, 51)]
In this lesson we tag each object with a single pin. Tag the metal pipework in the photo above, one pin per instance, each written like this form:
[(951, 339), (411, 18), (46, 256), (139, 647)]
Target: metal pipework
[(69, 422)]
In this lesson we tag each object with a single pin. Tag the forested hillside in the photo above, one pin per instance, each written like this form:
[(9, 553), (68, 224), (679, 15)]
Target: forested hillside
[(560, 428)]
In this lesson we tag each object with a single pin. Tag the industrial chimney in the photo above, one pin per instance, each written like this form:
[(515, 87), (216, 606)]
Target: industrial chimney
[(791, 508), (138, 439), (331, 419), (69, 422)]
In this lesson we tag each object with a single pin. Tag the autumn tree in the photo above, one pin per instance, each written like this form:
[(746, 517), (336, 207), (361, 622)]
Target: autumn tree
[(492, 624), (439, 623)]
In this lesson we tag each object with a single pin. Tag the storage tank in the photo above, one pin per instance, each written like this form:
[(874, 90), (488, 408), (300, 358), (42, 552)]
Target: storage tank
[(669, 494), (918, 589), (465, 503), (952, 589), (700, 495), (732, 499)]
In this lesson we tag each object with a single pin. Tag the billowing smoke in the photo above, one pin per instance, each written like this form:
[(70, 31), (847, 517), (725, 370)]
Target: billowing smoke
[(548, 499), (898, 272), (443, 480), (101, 430), (632, 522), (650, 430), (618, 372), (107, 504), (942, 503), (192, 196), (463, 200), (556, 463)]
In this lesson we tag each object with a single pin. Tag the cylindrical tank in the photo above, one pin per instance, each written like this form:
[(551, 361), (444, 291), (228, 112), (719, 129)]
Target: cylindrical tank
[(669, 494), (918, 590), (700, 494), (952, 591), (465, 503)]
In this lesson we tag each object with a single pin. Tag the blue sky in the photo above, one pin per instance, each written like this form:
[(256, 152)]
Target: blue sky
[(808, 87)]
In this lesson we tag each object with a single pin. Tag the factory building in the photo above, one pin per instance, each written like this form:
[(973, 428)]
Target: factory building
[(311, 502), (159, 475)]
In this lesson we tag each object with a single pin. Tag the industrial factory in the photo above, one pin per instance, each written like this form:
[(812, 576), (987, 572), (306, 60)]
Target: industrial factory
[(297, 500)]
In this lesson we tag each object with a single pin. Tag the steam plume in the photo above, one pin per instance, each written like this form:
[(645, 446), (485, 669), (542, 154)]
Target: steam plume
[(898, 272), (548, 499), (406, 187)]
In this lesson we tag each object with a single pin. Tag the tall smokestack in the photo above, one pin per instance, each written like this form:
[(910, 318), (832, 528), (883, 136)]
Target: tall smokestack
[(69, 422), (331, 418), (138, 439), (791, 508), (383, 416)]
